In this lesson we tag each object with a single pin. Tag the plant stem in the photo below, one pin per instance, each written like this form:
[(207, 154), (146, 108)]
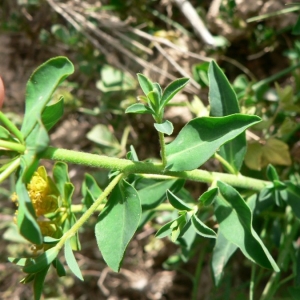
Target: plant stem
[(225, 163), (11, 168), (72, 231), (11, 127), (287, 241), (12, 146), (198, 274), (252, 282), (162, 148), (131, 167)]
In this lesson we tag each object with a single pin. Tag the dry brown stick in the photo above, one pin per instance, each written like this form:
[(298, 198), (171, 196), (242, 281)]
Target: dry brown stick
[(192, 16), (95, 43), (115, 43), (177, 66)]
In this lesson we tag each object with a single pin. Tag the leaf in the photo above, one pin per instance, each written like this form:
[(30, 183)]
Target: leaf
[(26, 219), (18, 261), (209, 196), (202, 229), (276, 152), (154, 192), (91, 185), (138, 108), (40, 88), (154, 99), (41, 262), (145, 83), (172, 89), (272, 173), (254, 156), (101, 135), (223, 250), (177, 202), (293, 198), (61, 176), (71, 261), (52, 114), (200, 138), (38, 283), (166, 127), (60, 269), (117, 224), (235, 221), (224, 102)]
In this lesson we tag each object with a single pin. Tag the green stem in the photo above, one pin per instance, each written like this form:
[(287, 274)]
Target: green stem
[(198, 275), (252, 282), (11, 127), (72, 231), (12, 146), (78, 208), (162, 148), (288, 238), (131, 167), (11, 168), (225, 163)]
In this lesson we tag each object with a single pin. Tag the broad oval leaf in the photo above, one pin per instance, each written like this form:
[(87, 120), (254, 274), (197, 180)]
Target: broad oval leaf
[(202, 229), (200, 138), (41, 262), (224, 102), (138, 108), (145, 83), (117, 224), (172, 89), (40, 88), (166, 127), (177, 202), (71, 261), (235, 221)]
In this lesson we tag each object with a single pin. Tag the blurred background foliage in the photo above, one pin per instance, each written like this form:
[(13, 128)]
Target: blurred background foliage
[(255, 42)]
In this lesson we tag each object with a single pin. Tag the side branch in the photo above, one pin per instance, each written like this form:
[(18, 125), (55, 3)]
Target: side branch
[(130, 167)]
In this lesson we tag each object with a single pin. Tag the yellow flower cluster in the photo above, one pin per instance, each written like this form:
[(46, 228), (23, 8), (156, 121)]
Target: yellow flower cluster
[(43, 193)]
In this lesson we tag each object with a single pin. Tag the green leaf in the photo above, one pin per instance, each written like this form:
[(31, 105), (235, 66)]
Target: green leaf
[(223, 250), (154, 192), (71, 261), (18, 261), (154, 99), (60, 269), (172, 89), (52, 114), (145, 83), (61, 176), (272, 173), (101, 135), (293, 198), (224, 102), (38, 283), (40, 88), (157, 87), (166, 127), (200, 138), (138, 108), (41, 262), (209, 196), (202, 229), (235, 221), (177, 202), (50, 240), (91, 185), (26, 219), (117, 224)]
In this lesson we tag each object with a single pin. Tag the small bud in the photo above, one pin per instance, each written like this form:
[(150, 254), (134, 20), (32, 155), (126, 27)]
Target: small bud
[(2, 92)]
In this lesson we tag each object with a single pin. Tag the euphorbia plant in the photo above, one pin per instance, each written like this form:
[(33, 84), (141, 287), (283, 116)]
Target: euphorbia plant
[(46, 217)]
